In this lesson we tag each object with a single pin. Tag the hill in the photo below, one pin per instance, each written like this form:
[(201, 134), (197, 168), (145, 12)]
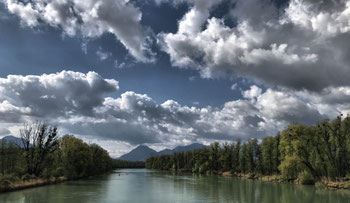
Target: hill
[(12, 139), (142, 152)]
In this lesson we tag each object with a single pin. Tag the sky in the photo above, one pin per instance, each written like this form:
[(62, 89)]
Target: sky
[(164, 73)]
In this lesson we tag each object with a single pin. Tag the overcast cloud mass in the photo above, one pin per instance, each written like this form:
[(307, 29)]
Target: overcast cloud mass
[(287, 61)]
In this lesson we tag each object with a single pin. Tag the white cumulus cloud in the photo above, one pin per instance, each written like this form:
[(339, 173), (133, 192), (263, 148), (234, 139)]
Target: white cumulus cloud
[(90, 18)]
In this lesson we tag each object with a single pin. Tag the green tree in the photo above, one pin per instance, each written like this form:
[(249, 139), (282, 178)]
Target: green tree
[(226, 156), (76, 157), (214, 155), (38, 142)]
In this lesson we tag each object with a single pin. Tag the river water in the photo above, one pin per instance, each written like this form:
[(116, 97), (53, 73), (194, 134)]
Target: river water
[(142, 186)]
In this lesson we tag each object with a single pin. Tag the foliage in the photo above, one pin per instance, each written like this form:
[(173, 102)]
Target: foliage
[(306, 178), (302, 152), (38, 142), (117, 163), (45, 155)]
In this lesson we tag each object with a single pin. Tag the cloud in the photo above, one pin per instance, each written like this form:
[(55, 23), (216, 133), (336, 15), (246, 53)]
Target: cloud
[(59, 94), (78, 104), (327, 18), (4, 132), (234, 86), (103, 55), (90, 18), (299, 46)]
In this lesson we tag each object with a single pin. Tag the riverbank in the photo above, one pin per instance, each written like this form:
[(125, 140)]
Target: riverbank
[(323, 183), (8, 186)]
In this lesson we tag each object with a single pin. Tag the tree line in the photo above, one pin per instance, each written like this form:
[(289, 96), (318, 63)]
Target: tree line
[(308, 152), (43, 154), (118, 163)]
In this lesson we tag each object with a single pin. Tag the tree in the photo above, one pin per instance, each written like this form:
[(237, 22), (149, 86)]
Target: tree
[(75, 156), (297, 144), (226, 156), (267, 147), (10, 158), (235, 156), (243, 158), (276, 156), (100, 160), (214, 155), (38, 140)]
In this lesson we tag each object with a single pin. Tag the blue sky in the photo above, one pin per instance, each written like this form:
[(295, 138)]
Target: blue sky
[(167, 73), (45, 50)]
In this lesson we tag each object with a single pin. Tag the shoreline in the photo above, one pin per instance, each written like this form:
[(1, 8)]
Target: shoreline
[(324, 183), (32, 183), (39, 182)]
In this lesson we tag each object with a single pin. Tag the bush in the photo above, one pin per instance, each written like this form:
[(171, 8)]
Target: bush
[(289, 168), (347, 177), (347, 185), (204, 168), (59, 171), (306, 178), (4, 183), (10, 177), (27, 177), (320, 185)]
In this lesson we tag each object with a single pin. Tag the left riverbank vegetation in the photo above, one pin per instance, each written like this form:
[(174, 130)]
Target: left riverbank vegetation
[(303, 154), (44, 158)]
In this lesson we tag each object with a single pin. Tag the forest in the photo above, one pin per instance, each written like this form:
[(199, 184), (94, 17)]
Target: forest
[(307, 153), (42, 154), (118, 163)]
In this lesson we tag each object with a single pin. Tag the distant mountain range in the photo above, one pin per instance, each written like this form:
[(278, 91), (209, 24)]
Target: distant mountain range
[(12, 139), (142, 152)]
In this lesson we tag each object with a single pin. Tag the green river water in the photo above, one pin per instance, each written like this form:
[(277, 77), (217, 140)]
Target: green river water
[(143, 186)]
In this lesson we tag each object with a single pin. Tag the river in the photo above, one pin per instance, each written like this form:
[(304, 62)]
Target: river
[(142, 186)]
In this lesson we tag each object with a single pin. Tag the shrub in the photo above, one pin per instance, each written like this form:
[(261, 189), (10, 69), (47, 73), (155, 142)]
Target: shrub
[(289, 168), (10, 177), (320, 185), (203, 168), (27, 177), (347, 177), (59, 171), (306, 178)]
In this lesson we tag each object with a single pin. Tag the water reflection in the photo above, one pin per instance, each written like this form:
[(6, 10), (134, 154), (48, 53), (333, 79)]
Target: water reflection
[(140, 185)]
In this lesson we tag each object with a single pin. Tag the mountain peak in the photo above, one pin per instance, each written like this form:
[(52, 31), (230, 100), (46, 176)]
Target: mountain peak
[(12, 139), (142, 147), (142, 152)]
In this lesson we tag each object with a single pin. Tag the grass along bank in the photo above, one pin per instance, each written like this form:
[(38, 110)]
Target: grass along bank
[(8, 186), (323, 183)]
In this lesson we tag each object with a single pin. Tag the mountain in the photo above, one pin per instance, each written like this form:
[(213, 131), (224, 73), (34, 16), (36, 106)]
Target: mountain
[(164, 152), (11, 139), (189, 147), (141, 153)]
